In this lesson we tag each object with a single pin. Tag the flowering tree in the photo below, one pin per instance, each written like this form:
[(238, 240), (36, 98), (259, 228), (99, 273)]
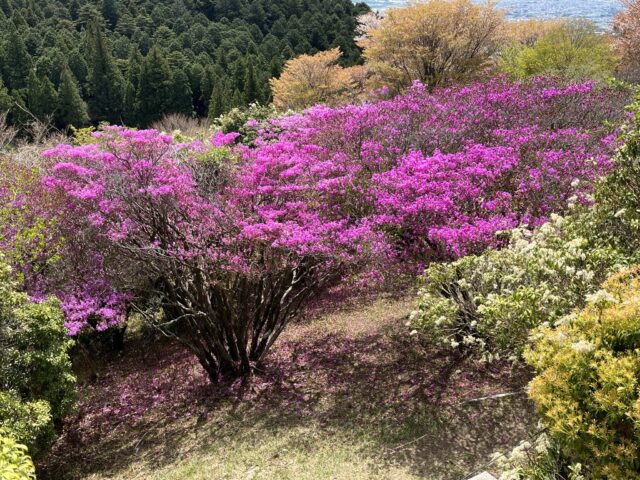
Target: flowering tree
[(226, 256), (220, 246), (435, 42), (310, 79), (626, 28)]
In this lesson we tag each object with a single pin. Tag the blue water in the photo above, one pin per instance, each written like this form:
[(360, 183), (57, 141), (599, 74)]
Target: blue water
[(600, 11)]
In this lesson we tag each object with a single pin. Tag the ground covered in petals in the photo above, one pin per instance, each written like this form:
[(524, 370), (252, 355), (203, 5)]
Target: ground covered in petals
[(344, 395)]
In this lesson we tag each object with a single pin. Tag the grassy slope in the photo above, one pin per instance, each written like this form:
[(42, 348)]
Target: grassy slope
[(347, 395)]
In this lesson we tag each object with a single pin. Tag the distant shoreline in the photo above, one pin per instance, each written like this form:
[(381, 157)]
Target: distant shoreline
[(600, 11)]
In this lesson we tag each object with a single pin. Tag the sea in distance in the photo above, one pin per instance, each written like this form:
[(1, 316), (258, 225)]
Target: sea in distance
[(600, 11)]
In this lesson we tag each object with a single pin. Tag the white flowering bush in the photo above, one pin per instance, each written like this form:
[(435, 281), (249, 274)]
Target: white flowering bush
[(540, 459), (245, 121), (487, 304)]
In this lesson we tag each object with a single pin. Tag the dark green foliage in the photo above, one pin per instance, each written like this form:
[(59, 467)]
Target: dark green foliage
[(154, 90), (132, 82), (78, 66), (42, 97), (237, 100), (18, 114), (71, 108), (110, 12), (17, 61), (180, 100), (251, 91), (5, 6), (106, 83), (130, 112), (217, 103), (237, 45), (5, 99)]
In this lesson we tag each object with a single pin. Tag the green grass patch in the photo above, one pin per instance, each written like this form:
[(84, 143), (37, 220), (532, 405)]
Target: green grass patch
[(345, 395)]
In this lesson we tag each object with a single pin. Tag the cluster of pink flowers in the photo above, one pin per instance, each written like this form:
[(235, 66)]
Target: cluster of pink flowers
[(328, 192), (142, 212), (444, 172)]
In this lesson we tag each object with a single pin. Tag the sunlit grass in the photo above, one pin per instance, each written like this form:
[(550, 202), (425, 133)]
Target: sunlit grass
[(348, 395)]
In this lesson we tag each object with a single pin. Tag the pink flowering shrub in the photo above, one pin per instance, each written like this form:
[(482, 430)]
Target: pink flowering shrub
[(445, 172), (221, 245), (227, 255)]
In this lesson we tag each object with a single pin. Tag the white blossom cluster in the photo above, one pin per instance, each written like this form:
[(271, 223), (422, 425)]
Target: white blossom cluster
[(528, 460), (489, 303)]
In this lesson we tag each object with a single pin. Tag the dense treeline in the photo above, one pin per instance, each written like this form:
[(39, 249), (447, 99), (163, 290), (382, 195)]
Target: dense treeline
[(131, 61), (501, 159)]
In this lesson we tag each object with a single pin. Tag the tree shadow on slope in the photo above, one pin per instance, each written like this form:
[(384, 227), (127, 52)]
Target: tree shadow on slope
[(376, 388)]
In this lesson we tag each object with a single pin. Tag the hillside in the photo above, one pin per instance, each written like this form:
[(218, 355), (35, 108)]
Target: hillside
[(348, 396), (133, 61), (412, 252)]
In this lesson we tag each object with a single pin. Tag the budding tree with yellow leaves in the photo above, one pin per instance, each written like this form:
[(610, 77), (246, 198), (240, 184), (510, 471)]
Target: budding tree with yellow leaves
[(311, 79), (435, 42), (527, 32)]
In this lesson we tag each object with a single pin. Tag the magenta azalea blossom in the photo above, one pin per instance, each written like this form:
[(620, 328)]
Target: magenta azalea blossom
[(223, 252)]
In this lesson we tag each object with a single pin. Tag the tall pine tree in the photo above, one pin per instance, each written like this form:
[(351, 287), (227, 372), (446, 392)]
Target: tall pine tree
[(106, 83), (154, 89), (78, 66), (181, 100), (131, 106), (71, 108), (6, 102), (42, 97), (251, 89), (217, 102), (237, 101), (17, 61)]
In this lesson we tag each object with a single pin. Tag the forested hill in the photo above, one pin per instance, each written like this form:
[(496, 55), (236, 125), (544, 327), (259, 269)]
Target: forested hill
[(131, 61)]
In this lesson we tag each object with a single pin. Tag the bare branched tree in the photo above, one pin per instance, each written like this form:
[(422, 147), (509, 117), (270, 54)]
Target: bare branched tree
[(7, 132)]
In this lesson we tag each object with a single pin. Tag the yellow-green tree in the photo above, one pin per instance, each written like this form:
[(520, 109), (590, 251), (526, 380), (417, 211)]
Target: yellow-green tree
[(571, 49), (528, 32), (434, 42), (15, 463), (311, 79), (588, 379)]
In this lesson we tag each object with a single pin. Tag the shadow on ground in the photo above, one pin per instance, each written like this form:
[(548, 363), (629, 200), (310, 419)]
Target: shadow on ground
[(355, 377)]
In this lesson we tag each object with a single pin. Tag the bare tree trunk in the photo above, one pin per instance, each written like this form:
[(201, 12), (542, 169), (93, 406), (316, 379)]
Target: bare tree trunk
[(231, 326)]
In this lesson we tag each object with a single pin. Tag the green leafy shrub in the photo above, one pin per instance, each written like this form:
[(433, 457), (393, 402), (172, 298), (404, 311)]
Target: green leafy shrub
[(588, 378), (29, 421), (573, 49), (36, 381), (487, 304), (614, 220), (15, 463)]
